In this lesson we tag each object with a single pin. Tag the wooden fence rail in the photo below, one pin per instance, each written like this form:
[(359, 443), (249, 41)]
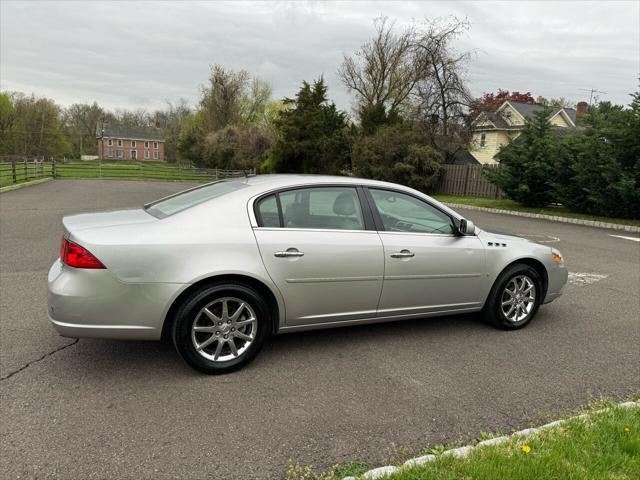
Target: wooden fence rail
[(458, 180), (467, 180), (20, 170)]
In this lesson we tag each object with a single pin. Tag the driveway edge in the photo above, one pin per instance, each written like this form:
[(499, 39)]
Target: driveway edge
[(386, 470), (25, 184), (553, 218)]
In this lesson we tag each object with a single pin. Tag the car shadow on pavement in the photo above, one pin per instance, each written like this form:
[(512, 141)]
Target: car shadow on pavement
[(104, 357)]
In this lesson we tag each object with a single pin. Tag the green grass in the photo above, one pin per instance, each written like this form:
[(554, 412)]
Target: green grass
[(129, 170), (602, 446), (506, 204)]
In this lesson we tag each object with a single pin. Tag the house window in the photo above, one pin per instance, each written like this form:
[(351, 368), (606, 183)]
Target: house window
[(133, 143), (155, 155), (155, 145), (109, 152), (146, 153), (119, 142), (110, 142), (146, 144), (483, 139), (120, 153)]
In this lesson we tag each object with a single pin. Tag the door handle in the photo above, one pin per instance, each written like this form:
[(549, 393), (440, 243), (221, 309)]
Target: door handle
[(403, 254), (290, 252)]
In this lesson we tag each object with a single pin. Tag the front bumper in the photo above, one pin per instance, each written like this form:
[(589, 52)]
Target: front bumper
[(558, 276), (93, 303)]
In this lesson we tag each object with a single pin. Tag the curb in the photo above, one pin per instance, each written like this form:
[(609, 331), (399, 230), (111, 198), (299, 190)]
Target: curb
[(25, 184), (553, 218), (462, 452)]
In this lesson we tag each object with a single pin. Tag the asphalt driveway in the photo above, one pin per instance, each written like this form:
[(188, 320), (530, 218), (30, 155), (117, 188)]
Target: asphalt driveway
[(107, 409)]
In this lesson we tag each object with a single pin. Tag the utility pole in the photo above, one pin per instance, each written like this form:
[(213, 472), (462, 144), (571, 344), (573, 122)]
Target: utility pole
[(591, 92)]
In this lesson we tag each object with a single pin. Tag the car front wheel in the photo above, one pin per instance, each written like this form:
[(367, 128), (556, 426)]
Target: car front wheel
[(221, 328), (514, 298)]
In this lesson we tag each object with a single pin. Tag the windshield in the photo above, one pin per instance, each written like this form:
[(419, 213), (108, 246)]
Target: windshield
[(182, 201)]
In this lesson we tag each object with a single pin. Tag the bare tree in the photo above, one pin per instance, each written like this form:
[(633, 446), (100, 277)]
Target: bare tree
[(442, 96), (81, 121), (233, 98), (383, 72)]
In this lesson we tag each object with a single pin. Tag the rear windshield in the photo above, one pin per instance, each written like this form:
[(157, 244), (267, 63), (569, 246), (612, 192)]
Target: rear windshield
[(182, 201)]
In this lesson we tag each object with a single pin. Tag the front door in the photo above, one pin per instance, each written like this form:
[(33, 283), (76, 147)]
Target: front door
[(315, 246), (134, 154), (428, 268)]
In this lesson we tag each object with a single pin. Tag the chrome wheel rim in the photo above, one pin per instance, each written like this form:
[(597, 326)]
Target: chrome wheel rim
[(224, 329), (518, 298)]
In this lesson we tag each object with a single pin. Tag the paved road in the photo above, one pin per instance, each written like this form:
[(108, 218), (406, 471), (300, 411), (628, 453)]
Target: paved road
[(107, 409)]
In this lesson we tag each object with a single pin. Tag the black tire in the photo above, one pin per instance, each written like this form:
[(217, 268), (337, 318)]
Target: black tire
[(191, 310), (493, 312)]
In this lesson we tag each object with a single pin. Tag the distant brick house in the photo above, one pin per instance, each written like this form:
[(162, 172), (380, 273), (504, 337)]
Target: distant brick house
[(130, 143)]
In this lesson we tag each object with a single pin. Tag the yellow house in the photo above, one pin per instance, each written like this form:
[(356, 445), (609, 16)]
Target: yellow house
[(492, 130)]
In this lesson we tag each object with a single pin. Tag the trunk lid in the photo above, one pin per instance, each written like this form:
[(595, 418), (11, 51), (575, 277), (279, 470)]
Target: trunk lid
[(84, 221)]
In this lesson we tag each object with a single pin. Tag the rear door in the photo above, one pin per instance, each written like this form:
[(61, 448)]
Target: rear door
[(428, 268), (325, 258)]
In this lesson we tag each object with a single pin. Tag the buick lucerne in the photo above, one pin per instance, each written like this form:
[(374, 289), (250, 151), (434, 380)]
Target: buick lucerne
[(219, 268)]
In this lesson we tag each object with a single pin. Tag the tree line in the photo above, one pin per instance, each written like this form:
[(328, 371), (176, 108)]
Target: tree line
[(413, 112)]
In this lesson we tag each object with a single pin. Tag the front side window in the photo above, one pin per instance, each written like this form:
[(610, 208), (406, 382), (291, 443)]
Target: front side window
[(133, 143), (327, 208), (146, 154), (155, 145), (404, 213), (155, 155), (483, 139), (110, 142), (146, 144)]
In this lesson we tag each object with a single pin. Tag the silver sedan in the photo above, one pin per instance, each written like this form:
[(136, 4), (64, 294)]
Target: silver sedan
[(219, 268)]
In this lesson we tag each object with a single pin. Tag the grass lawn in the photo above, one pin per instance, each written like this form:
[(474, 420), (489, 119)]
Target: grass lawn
[(129, 170), (602, 446), (511, 205)]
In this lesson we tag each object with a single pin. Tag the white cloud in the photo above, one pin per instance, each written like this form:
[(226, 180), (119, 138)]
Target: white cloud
[(139, 54)]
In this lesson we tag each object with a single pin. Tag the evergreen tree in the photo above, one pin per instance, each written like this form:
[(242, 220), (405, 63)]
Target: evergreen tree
[(312, 133)]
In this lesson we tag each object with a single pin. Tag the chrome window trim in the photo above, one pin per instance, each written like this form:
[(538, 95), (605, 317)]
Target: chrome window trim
[(252, 206), (288, 229)]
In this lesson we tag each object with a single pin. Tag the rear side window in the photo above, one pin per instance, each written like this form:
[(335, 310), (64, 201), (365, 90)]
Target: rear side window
[(268, 212), (328, 208), (190, 198)]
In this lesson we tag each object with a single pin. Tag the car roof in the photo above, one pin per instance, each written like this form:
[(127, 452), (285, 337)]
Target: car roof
[(283, 180)]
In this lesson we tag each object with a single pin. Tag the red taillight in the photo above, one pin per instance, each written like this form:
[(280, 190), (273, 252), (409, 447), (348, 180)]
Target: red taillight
[(76, 256)]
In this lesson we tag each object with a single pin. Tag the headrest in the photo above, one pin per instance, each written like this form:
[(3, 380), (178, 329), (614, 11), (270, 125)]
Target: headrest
[(295, 213), (344, 204)]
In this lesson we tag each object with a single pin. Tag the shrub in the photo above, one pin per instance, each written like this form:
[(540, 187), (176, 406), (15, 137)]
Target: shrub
[(397, 154)]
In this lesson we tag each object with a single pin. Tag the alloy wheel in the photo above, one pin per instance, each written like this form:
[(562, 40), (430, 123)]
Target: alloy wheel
[(224, 329), (518, 298)]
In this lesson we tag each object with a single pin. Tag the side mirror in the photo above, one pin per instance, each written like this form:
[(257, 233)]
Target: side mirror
[(467, 227)]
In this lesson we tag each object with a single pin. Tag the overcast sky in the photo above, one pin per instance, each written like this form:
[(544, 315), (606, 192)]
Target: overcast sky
[(139, 54)]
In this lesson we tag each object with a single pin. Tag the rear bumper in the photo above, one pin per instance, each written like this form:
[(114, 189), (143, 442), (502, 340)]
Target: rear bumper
[(92, 303)]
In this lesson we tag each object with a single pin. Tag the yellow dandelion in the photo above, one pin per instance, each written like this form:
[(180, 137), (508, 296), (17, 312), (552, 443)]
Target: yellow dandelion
[(526, 448), (627, 429)]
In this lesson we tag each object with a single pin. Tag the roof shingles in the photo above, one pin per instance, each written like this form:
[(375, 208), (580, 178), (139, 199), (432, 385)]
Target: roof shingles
[(133, 133)]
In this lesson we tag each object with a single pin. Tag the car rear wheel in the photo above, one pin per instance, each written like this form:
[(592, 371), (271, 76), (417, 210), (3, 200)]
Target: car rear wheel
[(221, 328), (514, 298)]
